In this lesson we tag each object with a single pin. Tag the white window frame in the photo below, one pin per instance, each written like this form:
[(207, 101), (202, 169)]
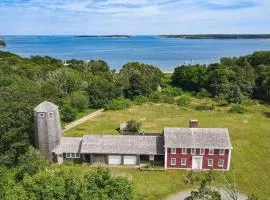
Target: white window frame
[(211, 153), (41, 115), (173, 150), (184, 152), (221, 150), (219, 165), (73, 155), (173, 161), (50, 114), (202, 151), (193, 151), (183, 161), (210, 165)]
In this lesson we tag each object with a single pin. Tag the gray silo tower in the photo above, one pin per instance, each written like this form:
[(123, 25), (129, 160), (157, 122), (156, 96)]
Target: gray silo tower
[(47, 128)]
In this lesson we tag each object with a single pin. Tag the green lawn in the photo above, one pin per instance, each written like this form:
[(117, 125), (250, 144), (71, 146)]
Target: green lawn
[(250, 135)]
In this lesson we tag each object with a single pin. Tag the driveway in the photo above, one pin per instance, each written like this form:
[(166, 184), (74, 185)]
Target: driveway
[(183, 195)]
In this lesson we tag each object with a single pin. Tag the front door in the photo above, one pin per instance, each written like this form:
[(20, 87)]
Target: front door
[(196, 162)]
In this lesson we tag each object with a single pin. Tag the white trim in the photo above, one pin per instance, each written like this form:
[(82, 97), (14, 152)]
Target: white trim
[(173, 159), (221, 154), (210, 154), (201, 164), (73, 155), (173, 150), (183, 151), (165, 163), (221, 160), (185, 163), (193, 153), (50, 114), (201, 151), (211, 164), (229, 160)]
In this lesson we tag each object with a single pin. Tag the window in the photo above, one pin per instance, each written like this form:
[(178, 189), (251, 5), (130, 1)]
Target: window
[(202, 151), (72, 155), (173, 161), (193, 151), (151, 157), (184, 150), (41, 114), (173, 150), (50, 114), (183, 161), (211, 151), (210, 162), (221, 152), (221, 163)]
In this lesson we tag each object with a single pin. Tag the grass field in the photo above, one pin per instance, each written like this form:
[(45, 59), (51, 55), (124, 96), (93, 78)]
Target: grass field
[(250, 135)]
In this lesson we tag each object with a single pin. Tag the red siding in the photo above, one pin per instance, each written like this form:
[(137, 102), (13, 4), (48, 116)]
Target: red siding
[(216, 157)]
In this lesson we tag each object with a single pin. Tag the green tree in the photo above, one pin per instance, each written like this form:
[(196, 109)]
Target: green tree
[(140, 79), (79, 100)]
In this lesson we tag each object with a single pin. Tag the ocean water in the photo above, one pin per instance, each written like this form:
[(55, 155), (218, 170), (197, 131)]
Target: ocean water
[(165, 53)]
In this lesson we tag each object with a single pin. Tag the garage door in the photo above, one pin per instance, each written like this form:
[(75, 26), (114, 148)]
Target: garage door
[(115, 159), (130, 160)]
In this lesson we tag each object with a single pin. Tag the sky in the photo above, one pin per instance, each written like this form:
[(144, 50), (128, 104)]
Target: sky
[(133, 17)]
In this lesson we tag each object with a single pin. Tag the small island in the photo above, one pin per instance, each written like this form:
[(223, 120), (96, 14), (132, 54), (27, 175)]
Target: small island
[(220, 36), (2, 43), (104, 36)]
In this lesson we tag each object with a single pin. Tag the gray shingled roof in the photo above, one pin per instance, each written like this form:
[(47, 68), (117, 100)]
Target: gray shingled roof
[(197, 138), (68, 145), (123, 144), (45, 106)]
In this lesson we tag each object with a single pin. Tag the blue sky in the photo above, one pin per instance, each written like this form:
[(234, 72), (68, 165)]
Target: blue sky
[(133, 17)]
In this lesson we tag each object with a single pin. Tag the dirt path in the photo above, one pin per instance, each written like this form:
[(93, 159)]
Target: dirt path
[(183, 195), (84, 119)]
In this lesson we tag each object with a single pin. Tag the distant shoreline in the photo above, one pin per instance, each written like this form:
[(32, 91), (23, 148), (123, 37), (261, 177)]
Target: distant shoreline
[(103, 36), (219, 36)]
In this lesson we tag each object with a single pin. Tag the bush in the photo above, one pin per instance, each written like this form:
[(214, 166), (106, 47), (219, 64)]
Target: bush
[(171, 91), (183, 101), (138, 100), (118, 104), (202, 93), (156, 97), (68, 113), (238, 109), (79, 101), (205, 106)]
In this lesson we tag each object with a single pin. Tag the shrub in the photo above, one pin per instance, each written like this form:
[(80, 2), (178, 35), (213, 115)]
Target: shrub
[(172, 91), (118, 104), (169, 100), (140, 99), (79, 100), (249, 102), (205, 107), (68, 113), (238, 109), (156, 97), (183, 101), (202, 93)]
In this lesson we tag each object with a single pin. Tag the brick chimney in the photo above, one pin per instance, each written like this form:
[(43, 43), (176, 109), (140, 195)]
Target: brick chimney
[(193, 123)]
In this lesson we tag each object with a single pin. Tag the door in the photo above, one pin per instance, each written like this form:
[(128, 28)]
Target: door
[(196, 162), (130, 160), (115, 160)]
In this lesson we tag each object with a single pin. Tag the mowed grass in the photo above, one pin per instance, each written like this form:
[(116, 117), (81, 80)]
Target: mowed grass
[(250, 135)]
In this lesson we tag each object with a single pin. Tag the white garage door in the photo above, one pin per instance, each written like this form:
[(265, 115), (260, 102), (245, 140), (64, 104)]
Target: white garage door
[(114, 159), (130, 160)]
